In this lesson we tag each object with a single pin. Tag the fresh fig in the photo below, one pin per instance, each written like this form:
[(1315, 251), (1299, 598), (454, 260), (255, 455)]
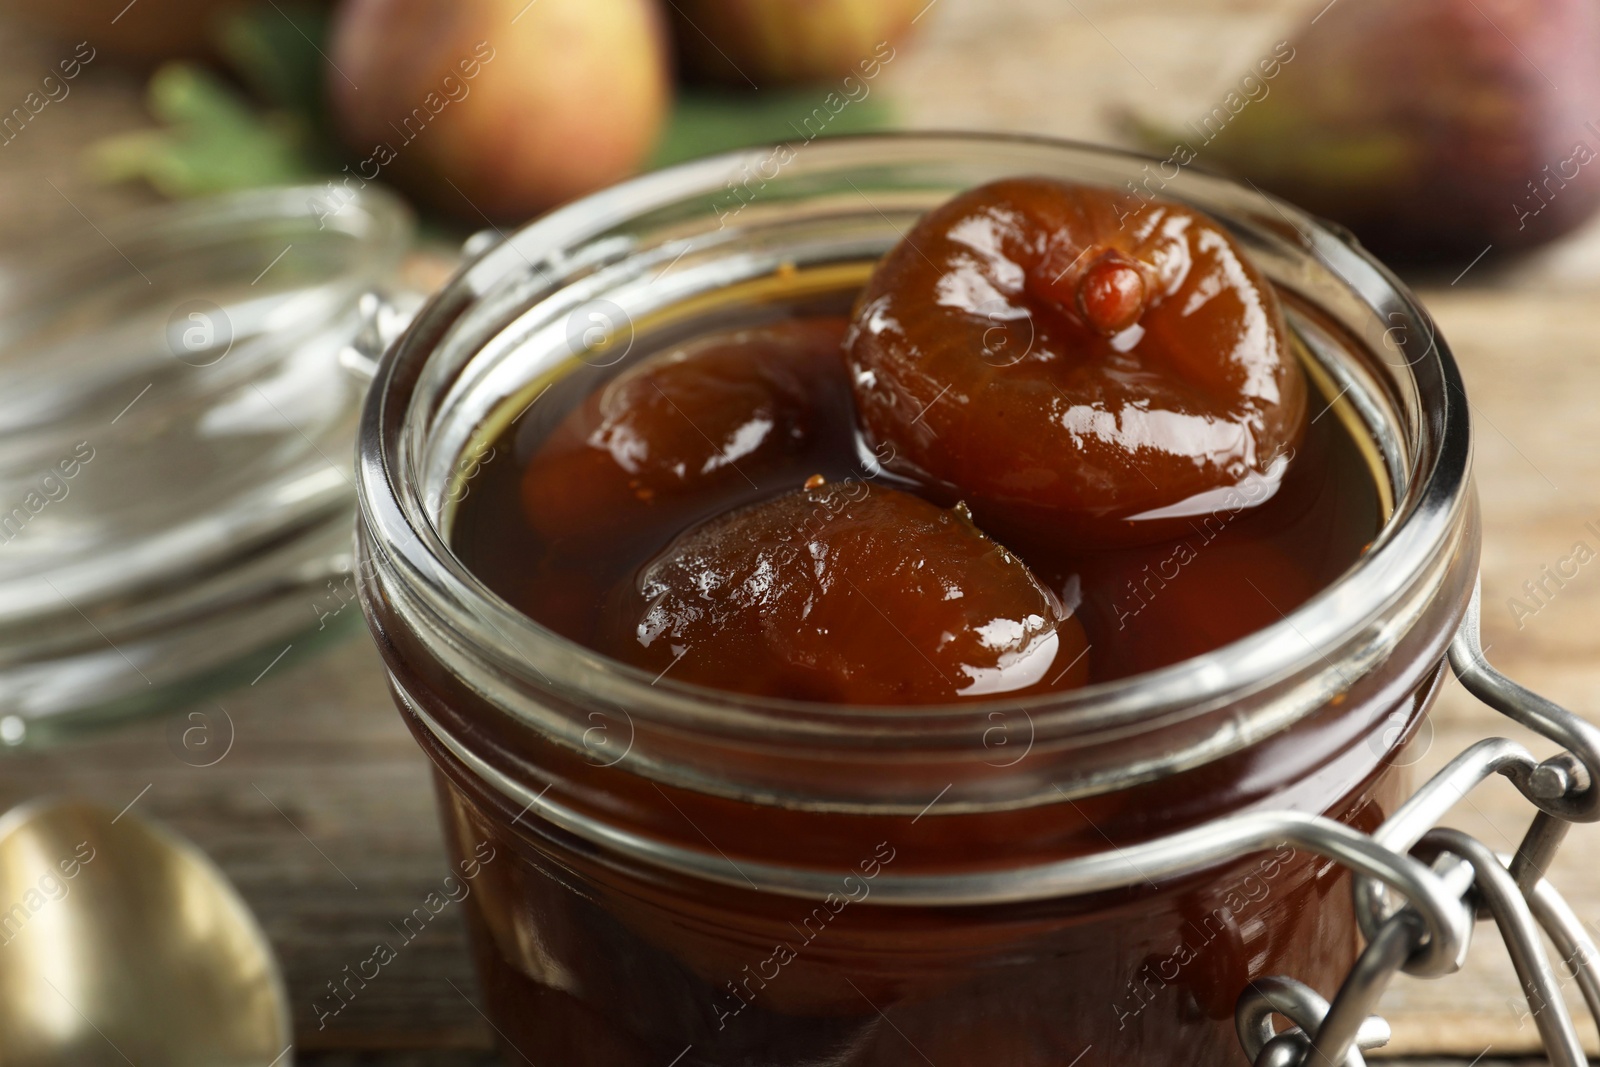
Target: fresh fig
[(498, 108), (1431, 128), (757, 43)]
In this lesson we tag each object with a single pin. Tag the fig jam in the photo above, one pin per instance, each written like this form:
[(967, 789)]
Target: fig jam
[(548, 523)]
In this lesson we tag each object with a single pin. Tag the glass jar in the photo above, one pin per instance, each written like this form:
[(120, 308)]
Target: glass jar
[(670, 875)]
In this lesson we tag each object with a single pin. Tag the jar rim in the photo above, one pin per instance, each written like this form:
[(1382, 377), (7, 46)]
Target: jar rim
[(1351, 617)]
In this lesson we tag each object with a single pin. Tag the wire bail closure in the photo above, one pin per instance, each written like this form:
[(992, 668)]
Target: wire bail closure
[(1511, 891)]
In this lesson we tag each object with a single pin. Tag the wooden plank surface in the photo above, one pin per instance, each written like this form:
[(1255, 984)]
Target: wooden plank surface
[(322, 810), (1529, 364)]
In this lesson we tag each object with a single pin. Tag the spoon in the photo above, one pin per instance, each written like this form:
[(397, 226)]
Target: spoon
[(121, 943)]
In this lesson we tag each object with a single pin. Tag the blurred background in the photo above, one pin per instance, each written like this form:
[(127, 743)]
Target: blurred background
[(1460, 139), (1433, 129)]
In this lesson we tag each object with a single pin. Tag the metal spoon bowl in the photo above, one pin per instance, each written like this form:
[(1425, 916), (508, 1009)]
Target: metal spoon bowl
[(121, 943)]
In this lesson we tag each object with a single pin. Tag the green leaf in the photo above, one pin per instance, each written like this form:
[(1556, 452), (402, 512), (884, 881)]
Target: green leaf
[(213, 140), (705, 121)]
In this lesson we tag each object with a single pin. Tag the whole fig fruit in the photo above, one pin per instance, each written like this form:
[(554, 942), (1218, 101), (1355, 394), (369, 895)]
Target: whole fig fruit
[(499, 108), (1431, 128), (757, 43)]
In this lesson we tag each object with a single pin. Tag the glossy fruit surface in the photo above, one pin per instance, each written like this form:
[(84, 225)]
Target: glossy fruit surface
[(1068, 355), (852, 593), (724, 414)]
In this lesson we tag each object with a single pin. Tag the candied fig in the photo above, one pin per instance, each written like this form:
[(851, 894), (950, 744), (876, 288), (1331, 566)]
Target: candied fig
[(1076, 359), (849, 593), (689, 427)]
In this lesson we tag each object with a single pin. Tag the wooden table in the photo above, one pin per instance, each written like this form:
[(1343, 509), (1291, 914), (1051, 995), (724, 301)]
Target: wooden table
[(322, 812)]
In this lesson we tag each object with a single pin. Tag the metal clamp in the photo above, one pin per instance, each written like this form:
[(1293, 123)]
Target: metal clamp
[(380, 318), (1511, 890)]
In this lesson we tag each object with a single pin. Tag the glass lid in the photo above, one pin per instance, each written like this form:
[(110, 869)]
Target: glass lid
[(176, 431)]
